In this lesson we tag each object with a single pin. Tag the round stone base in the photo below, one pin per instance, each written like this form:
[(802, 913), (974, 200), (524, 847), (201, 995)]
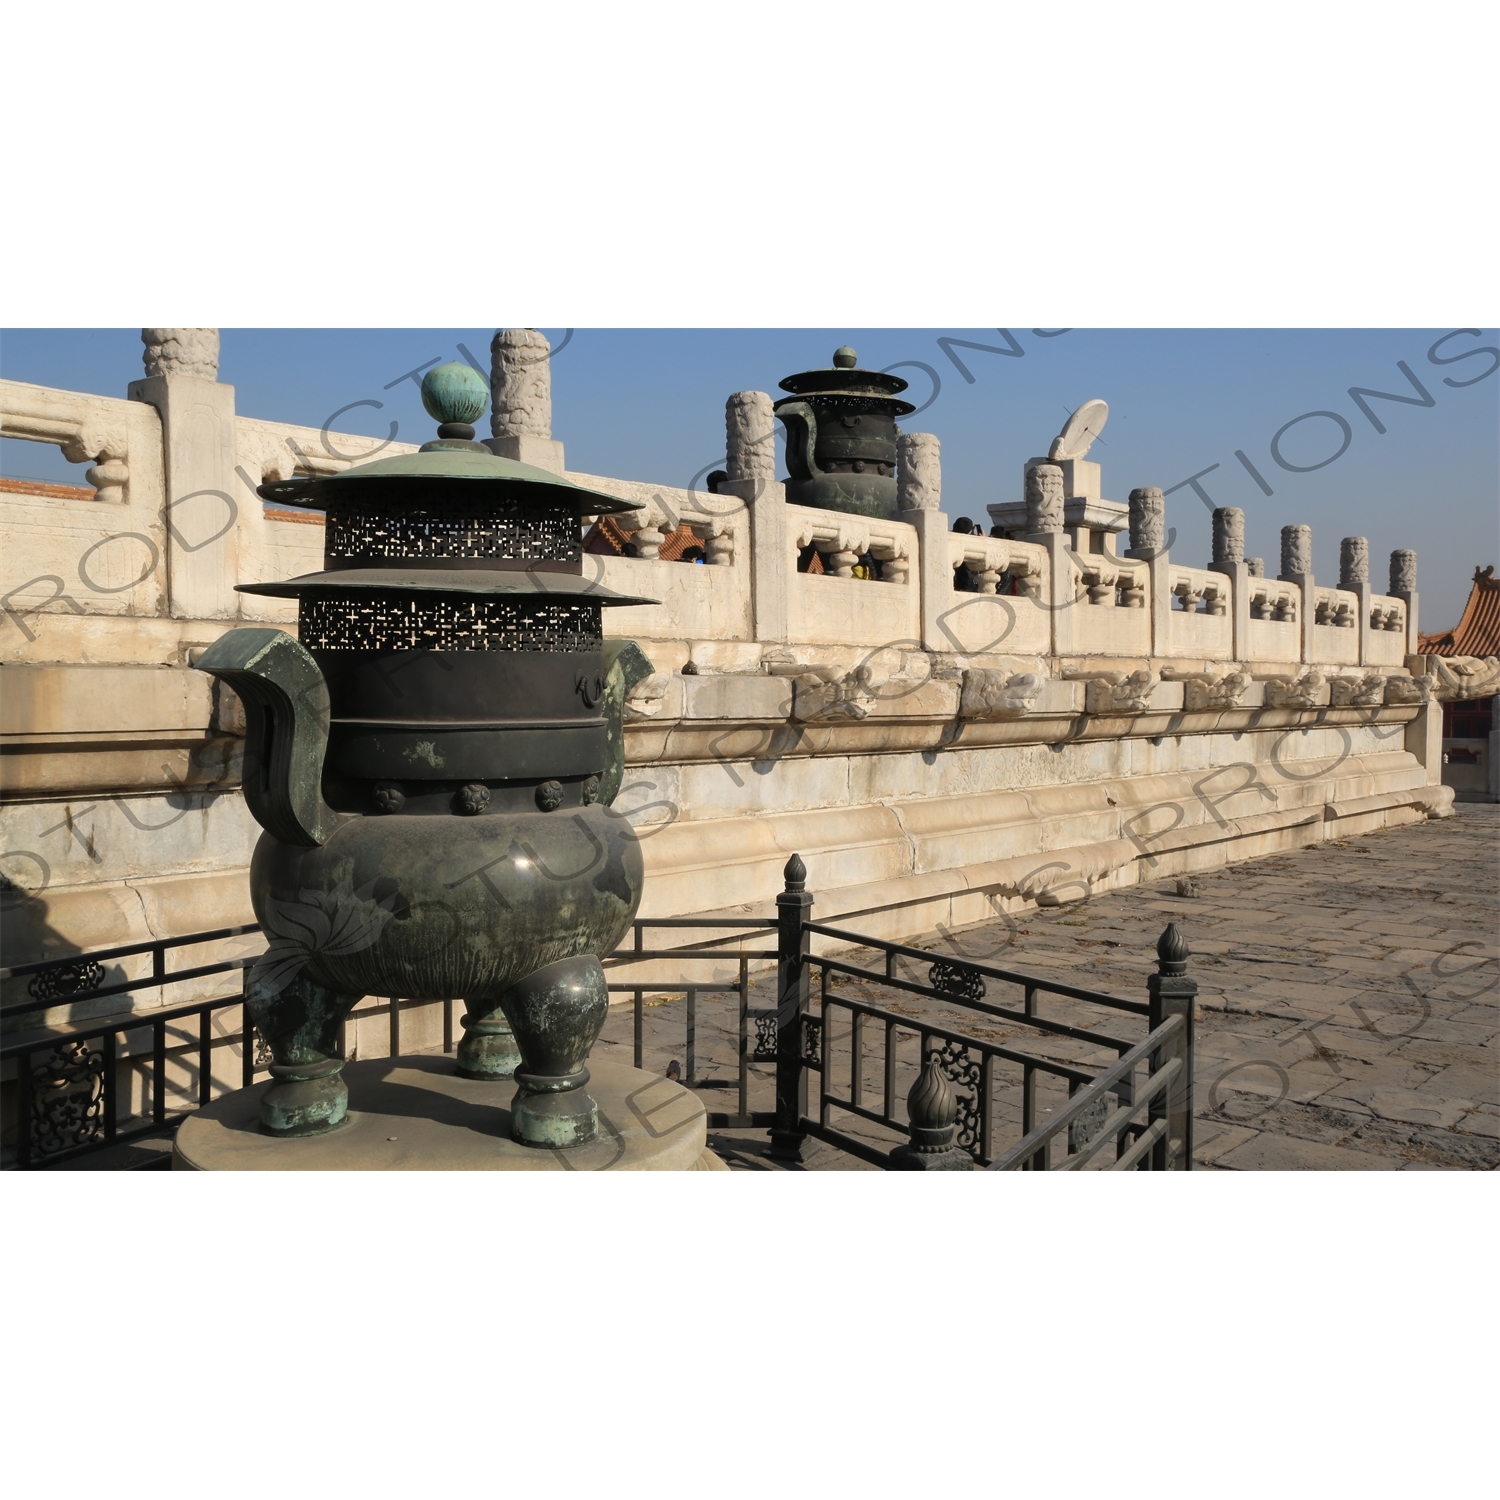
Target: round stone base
[(415, 1114)]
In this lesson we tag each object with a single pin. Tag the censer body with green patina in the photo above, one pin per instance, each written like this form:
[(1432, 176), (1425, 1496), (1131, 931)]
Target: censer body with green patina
[(433, 761), (841, 437)]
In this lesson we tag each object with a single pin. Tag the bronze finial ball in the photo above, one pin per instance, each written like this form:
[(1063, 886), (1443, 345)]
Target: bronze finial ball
[(845, 358), (455, 394)]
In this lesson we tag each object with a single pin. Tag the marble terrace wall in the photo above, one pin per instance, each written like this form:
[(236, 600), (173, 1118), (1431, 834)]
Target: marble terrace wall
[(1075, 717)]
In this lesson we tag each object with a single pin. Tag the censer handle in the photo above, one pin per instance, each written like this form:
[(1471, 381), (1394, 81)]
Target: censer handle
[(802, 439), (625, 664), (286, 730)]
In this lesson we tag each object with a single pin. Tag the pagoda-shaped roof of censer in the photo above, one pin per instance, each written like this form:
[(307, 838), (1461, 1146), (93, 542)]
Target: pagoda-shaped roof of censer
[(846, 380), (452, 518), (447, 464)]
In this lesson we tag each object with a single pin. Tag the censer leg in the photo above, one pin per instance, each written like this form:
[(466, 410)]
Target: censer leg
[(488, 1048), (300, 1023), (557, 1014)]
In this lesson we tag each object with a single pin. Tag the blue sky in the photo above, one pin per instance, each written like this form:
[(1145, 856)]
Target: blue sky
[(648, 404)]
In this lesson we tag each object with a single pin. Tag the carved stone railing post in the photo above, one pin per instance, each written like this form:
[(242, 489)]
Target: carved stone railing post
[(919, 471), (1354, 562), (919, 491), (1148, 541), (520, 383), (1229, 559), (1296, 553), (1044, 524), (192, 352), (1044, 501), (1229, 537), (1354, 575), (793, 994), (1296, 567), (1404, 588), (211, 518), (1148, 522), (521, 399), (1171, 993), (750, 436), (750, 462)]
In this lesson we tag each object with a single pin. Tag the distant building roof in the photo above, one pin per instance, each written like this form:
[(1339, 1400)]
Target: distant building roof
[(608, 537), (44, 490), (1478, 633)]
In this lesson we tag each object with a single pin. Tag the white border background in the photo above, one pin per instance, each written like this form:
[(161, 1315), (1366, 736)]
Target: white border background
[(917, 164)]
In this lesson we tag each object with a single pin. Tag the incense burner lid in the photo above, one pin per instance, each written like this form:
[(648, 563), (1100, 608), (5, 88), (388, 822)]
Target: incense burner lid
[(457, 470), (846, 383), (409, 579)]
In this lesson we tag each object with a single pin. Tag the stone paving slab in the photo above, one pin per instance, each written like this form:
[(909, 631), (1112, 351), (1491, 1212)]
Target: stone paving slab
[(1348, 1013), (1266, 1152)]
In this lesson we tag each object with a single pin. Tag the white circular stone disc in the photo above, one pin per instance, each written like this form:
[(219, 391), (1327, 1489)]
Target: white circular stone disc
[(1079, 431)]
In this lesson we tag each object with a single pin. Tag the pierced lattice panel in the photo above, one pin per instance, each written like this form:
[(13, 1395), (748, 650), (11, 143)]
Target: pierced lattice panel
[(378, 531), (394, 622)]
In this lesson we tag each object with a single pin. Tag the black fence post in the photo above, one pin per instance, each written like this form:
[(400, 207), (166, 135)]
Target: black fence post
[(793, 986), (1172, 994), (247, 1033), (25, 1108)]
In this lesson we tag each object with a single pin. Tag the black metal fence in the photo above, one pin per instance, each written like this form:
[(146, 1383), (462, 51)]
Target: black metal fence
[(62, 981), (68, 1087), (761, 1049), (70, 1100), (839, 1068), (825, 1059)]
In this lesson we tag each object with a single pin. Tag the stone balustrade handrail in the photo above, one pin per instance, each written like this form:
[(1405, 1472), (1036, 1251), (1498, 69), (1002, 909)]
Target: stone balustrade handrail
[(1336, 607), (278, 450), (834, 531), (719, 521), (180, 512), (1189, 586), (1105, 576), (1274, 597), (988, 557), (1390, 612), (88, 429)]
